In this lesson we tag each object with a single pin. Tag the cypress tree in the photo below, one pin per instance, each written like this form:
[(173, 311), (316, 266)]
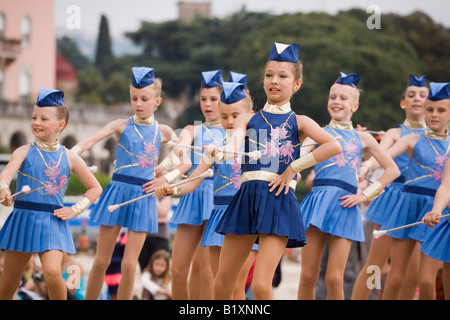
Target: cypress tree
[(104, 51)]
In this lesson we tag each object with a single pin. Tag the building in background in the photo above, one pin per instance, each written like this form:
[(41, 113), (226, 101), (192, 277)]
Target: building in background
[(27, 48), (188, 11), (66, 78)]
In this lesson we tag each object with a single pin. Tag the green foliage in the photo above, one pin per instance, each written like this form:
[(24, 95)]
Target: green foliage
[(328, 45), (69, 49), (104, 50), (76, 188), (383, 58)]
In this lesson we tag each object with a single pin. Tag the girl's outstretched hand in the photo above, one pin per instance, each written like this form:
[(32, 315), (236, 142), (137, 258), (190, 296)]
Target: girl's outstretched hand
[(283, 181)]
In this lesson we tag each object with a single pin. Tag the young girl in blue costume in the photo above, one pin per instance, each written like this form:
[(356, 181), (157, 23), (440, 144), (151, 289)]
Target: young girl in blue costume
[(139, 140), (194, 209), (437, 245), (337, 179), (413, 99), (428, 154), (227, 176), (38, 223), (265, 208)]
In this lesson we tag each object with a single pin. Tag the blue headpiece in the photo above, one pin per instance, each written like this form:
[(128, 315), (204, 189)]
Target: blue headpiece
[(238, 77), (439, 91), (350, 80), (284, 53), (417, 82), (50, 98), (232, 92), (142, 77), (211, 79)]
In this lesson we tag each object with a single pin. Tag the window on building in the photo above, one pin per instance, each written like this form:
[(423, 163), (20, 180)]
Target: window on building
[(2, 25), (2, 83), (24, 83), (25, 30)]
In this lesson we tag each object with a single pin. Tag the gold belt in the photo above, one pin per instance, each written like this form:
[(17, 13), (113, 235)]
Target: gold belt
[(264, 176)]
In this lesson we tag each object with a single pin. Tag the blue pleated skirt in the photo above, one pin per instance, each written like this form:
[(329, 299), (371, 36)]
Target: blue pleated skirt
[(139, 216), (255, 210), (321, 208), (195, 207), (210, 237), (410, 208), (35, 232), (437, 245), (382, 206)]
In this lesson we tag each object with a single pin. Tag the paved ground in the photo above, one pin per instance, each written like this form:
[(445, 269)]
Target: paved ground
[(290, 276), (287, 289)]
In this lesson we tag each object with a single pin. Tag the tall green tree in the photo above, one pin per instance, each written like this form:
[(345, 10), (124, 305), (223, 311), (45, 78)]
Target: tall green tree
[(103, 55)]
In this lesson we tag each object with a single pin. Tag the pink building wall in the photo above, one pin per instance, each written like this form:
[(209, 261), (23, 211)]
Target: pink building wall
[(38, 58)]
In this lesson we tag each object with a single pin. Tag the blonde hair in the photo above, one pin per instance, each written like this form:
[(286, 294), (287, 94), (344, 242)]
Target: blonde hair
[(157, 87), (248, 101), (62, 113)]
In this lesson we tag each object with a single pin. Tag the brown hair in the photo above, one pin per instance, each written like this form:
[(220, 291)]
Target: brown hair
[(297, 69), (159, 254)]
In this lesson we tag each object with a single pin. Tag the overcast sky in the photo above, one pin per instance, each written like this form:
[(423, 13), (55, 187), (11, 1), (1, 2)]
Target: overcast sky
[(126, 15)]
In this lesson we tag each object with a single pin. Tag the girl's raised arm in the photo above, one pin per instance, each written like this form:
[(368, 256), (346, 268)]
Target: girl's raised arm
[(114, 127)]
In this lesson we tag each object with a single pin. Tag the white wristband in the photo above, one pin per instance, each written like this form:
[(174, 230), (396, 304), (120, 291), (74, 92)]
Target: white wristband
[(76, 149), (4, 185), (373, 191), (82, 204), (172, 175), (303, 163)]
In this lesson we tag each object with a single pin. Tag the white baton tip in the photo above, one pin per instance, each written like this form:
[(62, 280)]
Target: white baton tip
[(112, 207), (378, 233), (26, 188), (93, 169)]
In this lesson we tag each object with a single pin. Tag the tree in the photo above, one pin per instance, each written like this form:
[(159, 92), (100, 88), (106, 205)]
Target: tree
[(330, 44), (430, 40), (69, 49), (103, 54)]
